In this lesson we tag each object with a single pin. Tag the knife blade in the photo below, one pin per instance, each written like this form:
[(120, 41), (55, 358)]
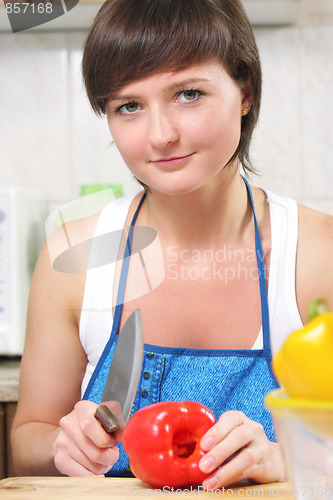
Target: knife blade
[(124, 373)]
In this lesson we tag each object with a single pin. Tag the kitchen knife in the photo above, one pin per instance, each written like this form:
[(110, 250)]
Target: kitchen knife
[(124, 373)]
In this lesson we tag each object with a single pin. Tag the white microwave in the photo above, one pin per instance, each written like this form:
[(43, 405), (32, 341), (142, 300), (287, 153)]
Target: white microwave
[(22, 233)]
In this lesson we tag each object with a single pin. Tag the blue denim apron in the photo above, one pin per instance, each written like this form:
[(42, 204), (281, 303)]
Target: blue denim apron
[(220, 379)]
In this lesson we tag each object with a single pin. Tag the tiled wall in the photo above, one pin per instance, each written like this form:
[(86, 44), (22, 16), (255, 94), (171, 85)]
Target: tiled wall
[(52, 141), (293, 143)]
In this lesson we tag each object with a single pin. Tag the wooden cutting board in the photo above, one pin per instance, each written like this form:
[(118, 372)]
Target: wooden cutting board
[(74, 488)]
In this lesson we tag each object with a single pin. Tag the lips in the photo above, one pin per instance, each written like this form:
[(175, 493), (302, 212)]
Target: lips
[(172, 161)]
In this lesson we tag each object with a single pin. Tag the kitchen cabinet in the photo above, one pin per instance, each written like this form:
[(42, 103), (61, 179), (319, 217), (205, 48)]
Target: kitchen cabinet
[(7, 413), (9, 381)]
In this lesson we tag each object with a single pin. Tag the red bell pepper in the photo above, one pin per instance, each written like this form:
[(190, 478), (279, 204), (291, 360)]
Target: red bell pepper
[(162, 442)]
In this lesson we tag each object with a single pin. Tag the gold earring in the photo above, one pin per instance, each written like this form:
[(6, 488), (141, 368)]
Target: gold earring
[(246, 111)]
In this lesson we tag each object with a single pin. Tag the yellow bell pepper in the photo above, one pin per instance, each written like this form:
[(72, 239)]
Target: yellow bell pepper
[(304, 364)]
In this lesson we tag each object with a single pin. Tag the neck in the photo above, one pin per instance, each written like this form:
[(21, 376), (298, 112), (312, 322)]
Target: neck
[(203, 217)]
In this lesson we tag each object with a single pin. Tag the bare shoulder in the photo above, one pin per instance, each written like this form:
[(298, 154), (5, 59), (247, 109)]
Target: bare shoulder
[(315, 228), (65, 253), (314, 257), (66, 244)]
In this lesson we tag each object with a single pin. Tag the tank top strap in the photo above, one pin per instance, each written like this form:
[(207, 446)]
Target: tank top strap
[(124, 271)]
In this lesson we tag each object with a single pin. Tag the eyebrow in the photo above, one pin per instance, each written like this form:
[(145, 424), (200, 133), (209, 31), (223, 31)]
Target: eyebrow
[(173, 86), (185, 83)]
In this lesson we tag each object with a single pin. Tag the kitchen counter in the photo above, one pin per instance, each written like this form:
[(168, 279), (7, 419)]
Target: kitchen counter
[(75, 488), (9, 379)]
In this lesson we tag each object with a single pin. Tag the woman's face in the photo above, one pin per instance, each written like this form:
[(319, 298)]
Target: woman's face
[(177, 130)]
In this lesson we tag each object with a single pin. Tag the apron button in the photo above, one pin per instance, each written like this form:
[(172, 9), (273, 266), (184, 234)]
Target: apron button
[(150, 355), (144, 393), (146, 375)]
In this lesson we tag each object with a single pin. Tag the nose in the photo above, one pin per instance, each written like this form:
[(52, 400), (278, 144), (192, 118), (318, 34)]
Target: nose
[(162, 129)]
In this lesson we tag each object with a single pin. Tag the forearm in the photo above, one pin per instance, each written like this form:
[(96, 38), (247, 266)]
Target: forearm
[(33, 449)]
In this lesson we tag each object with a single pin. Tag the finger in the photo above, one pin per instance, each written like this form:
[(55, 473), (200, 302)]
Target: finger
[(70, 459), (269, 465), (90, 427), (77, 439), (93, 430), (226, 449), (70, 467), (233, 470), (99, 464), (226, 423)]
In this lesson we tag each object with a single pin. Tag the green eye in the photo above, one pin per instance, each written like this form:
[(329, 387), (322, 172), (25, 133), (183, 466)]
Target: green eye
[(189, 95), (129, 107)]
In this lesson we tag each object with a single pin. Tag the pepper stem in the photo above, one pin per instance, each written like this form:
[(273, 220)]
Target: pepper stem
[(318, 306)]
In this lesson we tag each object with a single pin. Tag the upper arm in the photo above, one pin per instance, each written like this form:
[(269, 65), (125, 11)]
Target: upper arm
[(314, 272), (53, 362)]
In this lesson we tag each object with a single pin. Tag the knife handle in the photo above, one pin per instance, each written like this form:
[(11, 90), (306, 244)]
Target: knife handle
[(108, 420)]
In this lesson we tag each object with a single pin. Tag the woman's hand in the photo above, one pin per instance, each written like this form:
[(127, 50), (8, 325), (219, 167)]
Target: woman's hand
[(82, 447), (238, 448)]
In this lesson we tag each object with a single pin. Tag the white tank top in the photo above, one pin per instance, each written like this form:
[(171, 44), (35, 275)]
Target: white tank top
[(96, 315)]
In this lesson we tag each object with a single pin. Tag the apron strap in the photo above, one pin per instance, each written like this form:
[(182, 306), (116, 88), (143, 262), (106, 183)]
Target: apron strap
[(261, 272), (262, 280)]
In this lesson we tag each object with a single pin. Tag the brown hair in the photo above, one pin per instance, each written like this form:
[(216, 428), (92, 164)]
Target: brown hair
[(132, 39)]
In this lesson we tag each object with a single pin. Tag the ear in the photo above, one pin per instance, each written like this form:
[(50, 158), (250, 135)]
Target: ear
[(247, 94)]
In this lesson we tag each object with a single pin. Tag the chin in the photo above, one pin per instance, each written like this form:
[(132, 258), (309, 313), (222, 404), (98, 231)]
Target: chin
[(173, 189), (176, 183)]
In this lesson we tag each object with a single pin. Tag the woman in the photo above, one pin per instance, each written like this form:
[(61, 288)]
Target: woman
[(180, 84)]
